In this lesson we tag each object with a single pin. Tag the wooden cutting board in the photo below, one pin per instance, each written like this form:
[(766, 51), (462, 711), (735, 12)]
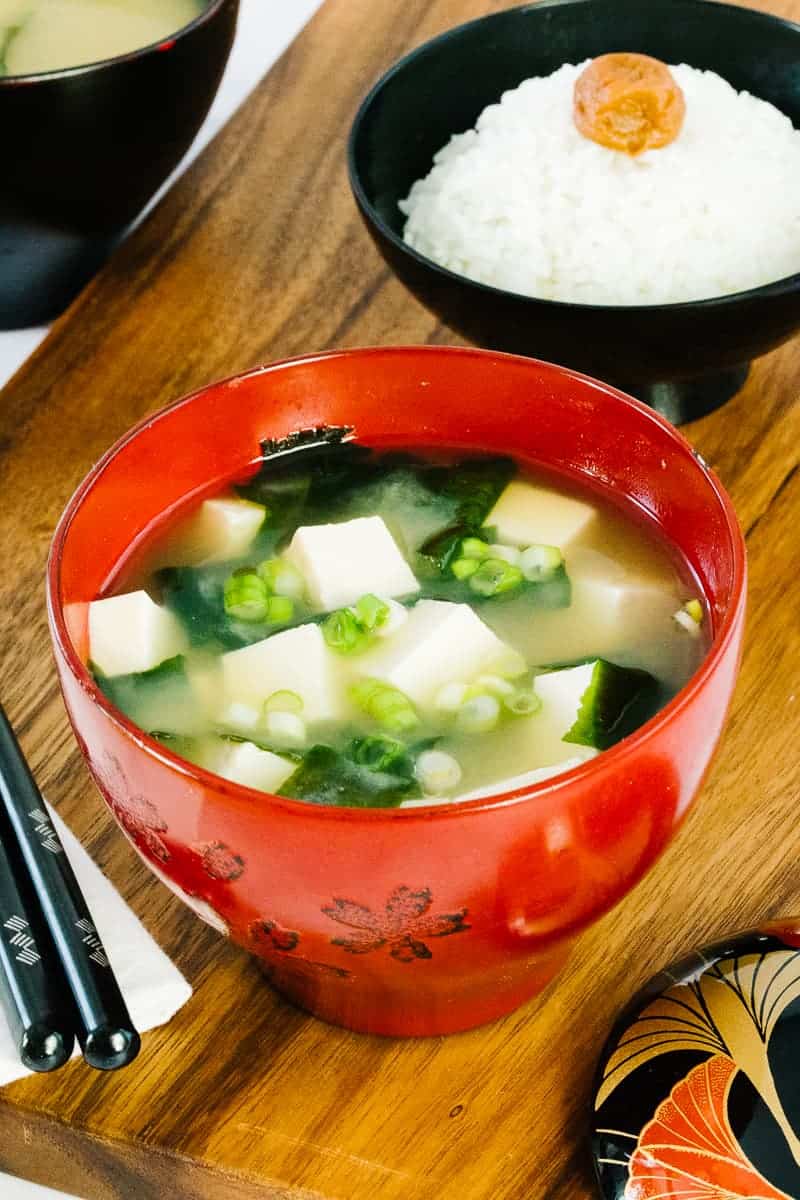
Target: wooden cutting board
[(257, 254)]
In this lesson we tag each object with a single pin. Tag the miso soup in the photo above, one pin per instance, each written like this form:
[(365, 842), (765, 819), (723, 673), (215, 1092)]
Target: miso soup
[(360, 629), (49, 35)]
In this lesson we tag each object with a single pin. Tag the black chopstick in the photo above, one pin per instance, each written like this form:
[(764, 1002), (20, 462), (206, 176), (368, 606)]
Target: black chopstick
[(103, 1025), (33, 991)]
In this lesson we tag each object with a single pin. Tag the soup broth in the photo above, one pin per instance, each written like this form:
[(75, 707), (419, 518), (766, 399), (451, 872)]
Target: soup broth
[(379, 630), (49, 35)]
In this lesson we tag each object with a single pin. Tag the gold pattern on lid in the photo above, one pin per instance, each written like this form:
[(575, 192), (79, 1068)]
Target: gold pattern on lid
[(730, 1010)]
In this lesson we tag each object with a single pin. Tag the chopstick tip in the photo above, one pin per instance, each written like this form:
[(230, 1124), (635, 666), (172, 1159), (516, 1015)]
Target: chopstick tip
[(109, 1049), (46, 1048)]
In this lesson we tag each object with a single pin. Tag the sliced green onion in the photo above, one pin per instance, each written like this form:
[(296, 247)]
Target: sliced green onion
[(540, 562), (437, 772), (378, 752), (495, 577), (286, 729), (522, 703), (279, 609), (237, 715), (687, 622), (245, 596), (495, 685), (284, 701), (509, 554), (450, 697), (462, 568), (371, 611), (395, 619), (351, 630), (695, 610), (282, 578), (473, 547), (344, 633), (511, 665), (385, 704), (479, 714)]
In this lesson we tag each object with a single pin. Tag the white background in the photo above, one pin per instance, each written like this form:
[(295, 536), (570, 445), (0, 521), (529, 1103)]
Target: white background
[(265, 29)]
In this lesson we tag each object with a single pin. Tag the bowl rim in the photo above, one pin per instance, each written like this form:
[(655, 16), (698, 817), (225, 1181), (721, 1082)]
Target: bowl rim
[(166, 43), (534, 793), (775, 287)]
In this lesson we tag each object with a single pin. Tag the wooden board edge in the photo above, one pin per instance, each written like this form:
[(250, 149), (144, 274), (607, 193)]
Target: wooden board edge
[(48, 1152)]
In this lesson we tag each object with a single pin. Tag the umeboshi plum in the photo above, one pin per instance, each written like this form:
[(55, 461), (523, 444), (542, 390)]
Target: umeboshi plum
[(629, 102)]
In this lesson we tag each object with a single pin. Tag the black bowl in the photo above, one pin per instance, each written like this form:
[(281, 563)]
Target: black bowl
[(84, 149), (684, 359)]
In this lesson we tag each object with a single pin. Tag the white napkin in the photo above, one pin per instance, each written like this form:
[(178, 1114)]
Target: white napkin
[(153, 987)]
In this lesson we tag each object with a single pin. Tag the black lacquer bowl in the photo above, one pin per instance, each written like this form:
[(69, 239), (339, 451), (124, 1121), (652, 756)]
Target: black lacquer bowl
[(697, 1094), (84, 149), (684, 359)]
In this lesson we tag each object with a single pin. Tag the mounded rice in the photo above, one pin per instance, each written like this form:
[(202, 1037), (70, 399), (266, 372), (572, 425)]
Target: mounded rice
[(526, 203)]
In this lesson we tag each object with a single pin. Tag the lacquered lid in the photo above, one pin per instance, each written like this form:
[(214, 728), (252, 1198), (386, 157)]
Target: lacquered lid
[(697, 1094)]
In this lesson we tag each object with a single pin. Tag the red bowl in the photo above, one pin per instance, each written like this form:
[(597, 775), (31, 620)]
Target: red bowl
[(428, 920)]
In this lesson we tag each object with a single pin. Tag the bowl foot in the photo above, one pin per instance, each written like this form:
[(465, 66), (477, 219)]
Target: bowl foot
[(338, 996), (684, 400), (44, 270)]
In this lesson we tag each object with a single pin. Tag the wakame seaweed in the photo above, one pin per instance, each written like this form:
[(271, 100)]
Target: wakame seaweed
[(310, 468), (473, 486), (197, 597), (320, 475), (617, 701), (171, 668), (178, 743), (137, 694), (327, 776)]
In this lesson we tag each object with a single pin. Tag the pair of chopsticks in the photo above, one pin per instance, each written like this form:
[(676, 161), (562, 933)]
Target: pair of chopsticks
[(56, 983)]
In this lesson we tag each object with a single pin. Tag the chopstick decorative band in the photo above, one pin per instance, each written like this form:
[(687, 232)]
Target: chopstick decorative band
[(104, 1028), (33, 990)]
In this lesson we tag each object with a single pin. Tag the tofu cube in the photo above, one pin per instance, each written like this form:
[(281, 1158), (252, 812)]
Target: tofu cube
[(598, 698), (613, 603), (248, 764), (616, 606), (342, 562), (204, 676), (440, 643), (240, 718), (221, 529), (528, 515), (561, 693), (297, 660), (131, 633)]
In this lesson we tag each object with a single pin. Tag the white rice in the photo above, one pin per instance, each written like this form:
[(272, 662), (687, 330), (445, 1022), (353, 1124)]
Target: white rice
[(526, 203)]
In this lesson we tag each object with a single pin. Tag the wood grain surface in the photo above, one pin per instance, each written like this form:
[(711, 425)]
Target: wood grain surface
[(257, 254)]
